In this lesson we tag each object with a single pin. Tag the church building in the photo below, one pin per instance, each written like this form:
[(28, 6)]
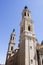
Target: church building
[(29, 51)]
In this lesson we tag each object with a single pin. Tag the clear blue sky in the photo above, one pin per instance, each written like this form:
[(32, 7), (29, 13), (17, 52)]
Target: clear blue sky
[(10, 17)]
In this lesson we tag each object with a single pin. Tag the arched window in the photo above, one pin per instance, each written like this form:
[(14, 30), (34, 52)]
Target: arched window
[(11, 47), (28, 14), (25, 14), (28, 28), (13, 38)]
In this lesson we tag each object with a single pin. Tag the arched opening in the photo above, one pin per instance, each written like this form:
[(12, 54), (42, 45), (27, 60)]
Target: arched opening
[(11, 47), (13, 38), (28, 28), (25, 14), (28, 14)]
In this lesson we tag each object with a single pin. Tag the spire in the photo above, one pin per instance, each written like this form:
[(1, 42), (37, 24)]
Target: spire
[(26, 7), (13, 31)]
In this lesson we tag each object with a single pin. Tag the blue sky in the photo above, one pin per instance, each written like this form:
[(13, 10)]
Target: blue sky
[(10, 17)]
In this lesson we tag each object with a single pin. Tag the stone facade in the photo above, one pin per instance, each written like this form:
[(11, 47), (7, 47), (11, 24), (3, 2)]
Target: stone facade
[(29, 52)]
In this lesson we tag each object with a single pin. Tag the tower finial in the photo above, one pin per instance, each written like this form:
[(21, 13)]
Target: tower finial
[(13, 30), (26, 7)]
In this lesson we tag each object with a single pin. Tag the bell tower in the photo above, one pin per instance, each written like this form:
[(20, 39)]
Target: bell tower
[(27, 24), (11, 45), (28, 40)]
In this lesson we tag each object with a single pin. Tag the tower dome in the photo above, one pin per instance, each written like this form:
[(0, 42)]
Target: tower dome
[(26, 7)]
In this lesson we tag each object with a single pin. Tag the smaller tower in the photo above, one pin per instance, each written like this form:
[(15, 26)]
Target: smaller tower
[(11, 45)]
